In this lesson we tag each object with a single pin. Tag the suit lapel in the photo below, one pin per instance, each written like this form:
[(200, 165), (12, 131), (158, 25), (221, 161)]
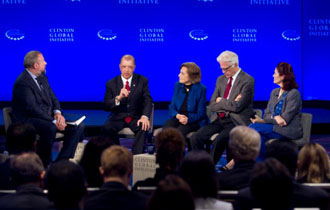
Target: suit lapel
[(234, 87), (133, 86), (35, 87)]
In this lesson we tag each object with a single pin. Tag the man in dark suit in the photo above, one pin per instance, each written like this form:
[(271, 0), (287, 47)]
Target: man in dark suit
[(231, 104), (27, 173), (34, 102), (128, 98), (116, 169)]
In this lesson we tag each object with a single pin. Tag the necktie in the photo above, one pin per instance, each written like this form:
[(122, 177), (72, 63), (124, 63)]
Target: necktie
[(222, 114), (127, 86), (128, 118), (39, 80)]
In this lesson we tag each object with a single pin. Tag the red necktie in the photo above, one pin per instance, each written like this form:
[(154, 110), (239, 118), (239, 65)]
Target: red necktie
[(127, 86), (222, 114), (128, 118)]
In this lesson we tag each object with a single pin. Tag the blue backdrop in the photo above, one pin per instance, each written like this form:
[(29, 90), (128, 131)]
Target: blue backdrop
[(83, 41)]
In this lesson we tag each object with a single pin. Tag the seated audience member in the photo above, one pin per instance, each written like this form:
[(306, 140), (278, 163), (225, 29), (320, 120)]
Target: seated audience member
[(21, 137), (313, 164), (271, 185), (66, 185), (286, 152), (188, 106), (172, 193), (198, 170), (116, 169), (283, 113), (244, 145), (170, 148), (90, 160), (27, 173)]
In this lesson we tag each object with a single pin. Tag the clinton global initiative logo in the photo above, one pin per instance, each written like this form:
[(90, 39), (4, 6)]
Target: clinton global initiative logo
[(198, 35), (290, 35), (135, 2), (245, 35), (61, 34), (14, 35), (319, 27), (270, 2), (151, 34), (13, 2), (106, 34)]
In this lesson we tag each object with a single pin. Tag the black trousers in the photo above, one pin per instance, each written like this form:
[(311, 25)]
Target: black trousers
[(202, 136), (112, 127), (47, 132)]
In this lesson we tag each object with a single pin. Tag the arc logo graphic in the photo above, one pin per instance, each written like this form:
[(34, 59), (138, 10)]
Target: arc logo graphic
[(14, 34), (290, 35), (198, 35), (206, 0), (106, 34)]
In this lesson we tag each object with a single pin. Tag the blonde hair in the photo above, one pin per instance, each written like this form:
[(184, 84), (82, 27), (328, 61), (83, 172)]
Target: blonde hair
[(313, 163)]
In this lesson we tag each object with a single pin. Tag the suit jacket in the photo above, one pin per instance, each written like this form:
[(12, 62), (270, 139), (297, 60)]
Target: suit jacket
[(291, 113), (138, 103), (115, 196), (29, 101), (26, 197), (240, 111), (303, 196), (196, 104)]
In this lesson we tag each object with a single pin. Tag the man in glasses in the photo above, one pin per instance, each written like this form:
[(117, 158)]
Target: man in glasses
[(231, 104)]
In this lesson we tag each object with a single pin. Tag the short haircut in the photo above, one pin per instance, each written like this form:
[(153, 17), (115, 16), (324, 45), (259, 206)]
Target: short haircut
[(193, 71), (171, 193), (21, 137), (31, 58), (289, 81), (284, 151), (65, 181), (228, 56), (313, 163), (127, 58), (116, 161), (271, 185), (198, 170), (170, 148), (244, 143), (26, 168)]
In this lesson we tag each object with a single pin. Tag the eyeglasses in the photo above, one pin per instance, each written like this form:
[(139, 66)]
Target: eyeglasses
[(226, 69)]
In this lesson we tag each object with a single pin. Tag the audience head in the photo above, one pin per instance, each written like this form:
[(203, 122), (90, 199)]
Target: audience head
[(198, 170), (288, 80), (271, 185), (244, 143), (172, 193), (91, 159), (193, 72), (21, 137), (313, 163), (66, 185), (228, 63), (170, 148), (27, 168), (117, 162), (284, 151)]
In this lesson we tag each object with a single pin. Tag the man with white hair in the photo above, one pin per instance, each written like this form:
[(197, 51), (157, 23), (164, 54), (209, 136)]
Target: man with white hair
[(231, 104)]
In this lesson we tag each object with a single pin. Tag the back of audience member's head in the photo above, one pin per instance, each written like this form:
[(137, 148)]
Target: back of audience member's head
[(271, 185), (66, 185), (21, 137), (117, 161), (170, 148), (198, 170), (27, 168), (244, 143), (91, 159), (172, 193), (284, 151), (313, 163)]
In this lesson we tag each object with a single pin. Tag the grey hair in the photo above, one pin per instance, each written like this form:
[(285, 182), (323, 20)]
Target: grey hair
[(228, 56)]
